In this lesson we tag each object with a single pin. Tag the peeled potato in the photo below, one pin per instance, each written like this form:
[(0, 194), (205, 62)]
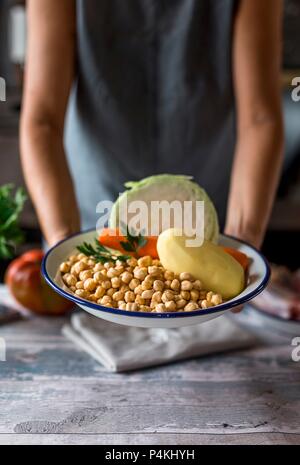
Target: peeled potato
[(216, 269)]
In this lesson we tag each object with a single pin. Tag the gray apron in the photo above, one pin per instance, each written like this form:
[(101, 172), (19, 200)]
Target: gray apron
[(153, 94)]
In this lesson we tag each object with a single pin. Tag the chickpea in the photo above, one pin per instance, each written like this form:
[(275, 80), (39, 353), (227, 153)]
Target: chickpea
[(106, 284), (92, 298), (115, 282), (147, 294), (205, 304), (191, 306), (104, 272), (140, 273), (170, 306), (167, 295), (65, 267), (139, 300), (79, 285), (108, 265), (73, 270), (78, 267), (186, 285), (169, 275), (112, 272), (106, 300), (156, 298), (98, 267), (145, 261), (91, 262), (81, 256), (119, 270), (134, 283), (216, 299), (124, 288), (129, 296), (132, 306), (154, 270), (185, 276), (99, 292), (175, 285), (118, 296), (197, 285), (181, 304), (70, 279), (209, 296), (195, 295), (98, 277), (110, 291), (132, 262), (145, 308), (86, 274), (65, 277), (89, 285), (138, 290), (122, 305), (147, 284), (202, 295), (126, 277), (185, 295), (156, 262), (160, 308), (158, 285), (73, 258), (119, 264), (72, 288), (82, 293)]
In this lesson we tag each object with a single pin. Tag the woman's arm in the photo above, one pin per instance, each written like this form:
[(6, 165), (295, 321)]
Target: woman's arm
[(48, 79), (258, 157)]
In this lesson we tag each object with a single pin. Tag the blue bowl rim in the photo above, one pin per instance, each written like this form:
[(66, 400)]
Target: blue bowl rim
[(218, 309)]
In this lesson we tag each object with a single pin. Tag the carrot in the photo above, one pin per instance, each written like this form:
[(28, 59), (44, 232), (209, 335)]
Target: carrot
[(242, 258), (149, 248), (112, 238)]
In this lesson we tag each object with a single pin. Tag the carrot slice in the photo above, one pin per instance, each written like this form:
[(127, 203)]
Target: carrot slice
[(242, 258), (112, 238)]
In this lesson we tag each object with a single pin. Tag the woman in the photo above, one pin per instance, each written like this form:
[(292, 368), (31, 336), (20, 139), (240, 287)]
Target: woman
[(177, 86)]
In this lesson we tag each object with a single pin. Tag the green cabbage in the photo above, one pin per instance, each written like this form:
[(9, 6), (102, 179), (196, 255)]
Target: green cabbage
[(167, 187)]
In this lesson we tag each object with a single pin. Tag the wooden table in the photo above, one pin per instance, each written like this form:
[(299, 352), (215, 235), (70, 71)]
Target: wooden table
[(52, 393)]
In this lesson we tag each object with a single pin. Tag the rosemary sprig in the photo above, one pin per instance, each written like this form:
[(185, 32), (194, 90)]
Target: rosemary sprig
[(134, 242), (100, 253)]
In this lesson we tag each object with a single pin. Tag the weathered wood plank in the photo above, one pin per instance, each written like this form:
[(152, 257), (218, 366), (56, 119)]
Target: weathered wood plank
[(51, 391), (150, 439), (76, 404)]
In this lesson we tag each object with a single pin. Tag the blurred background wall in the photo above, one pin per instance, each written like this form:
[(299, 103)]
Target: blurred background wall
[(285, 222)]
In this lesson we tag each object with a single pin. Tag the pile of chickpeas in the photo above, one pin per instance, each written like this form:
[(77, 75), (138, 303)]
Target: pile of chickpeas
[(135, 285)]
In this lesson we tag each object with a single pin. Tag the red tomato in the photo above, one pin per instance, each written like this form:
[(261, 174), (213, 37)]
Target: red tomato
[(27, 285)]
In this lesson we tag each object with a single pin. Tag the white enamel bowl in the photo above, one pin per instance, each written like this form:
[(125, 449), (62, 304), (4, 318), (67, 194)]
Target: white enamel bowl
[(259, 274)]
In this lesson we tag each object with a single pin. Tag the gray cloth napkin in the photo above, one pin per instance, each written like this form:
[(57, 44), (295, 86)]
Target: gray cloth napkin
[(123, 348)]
